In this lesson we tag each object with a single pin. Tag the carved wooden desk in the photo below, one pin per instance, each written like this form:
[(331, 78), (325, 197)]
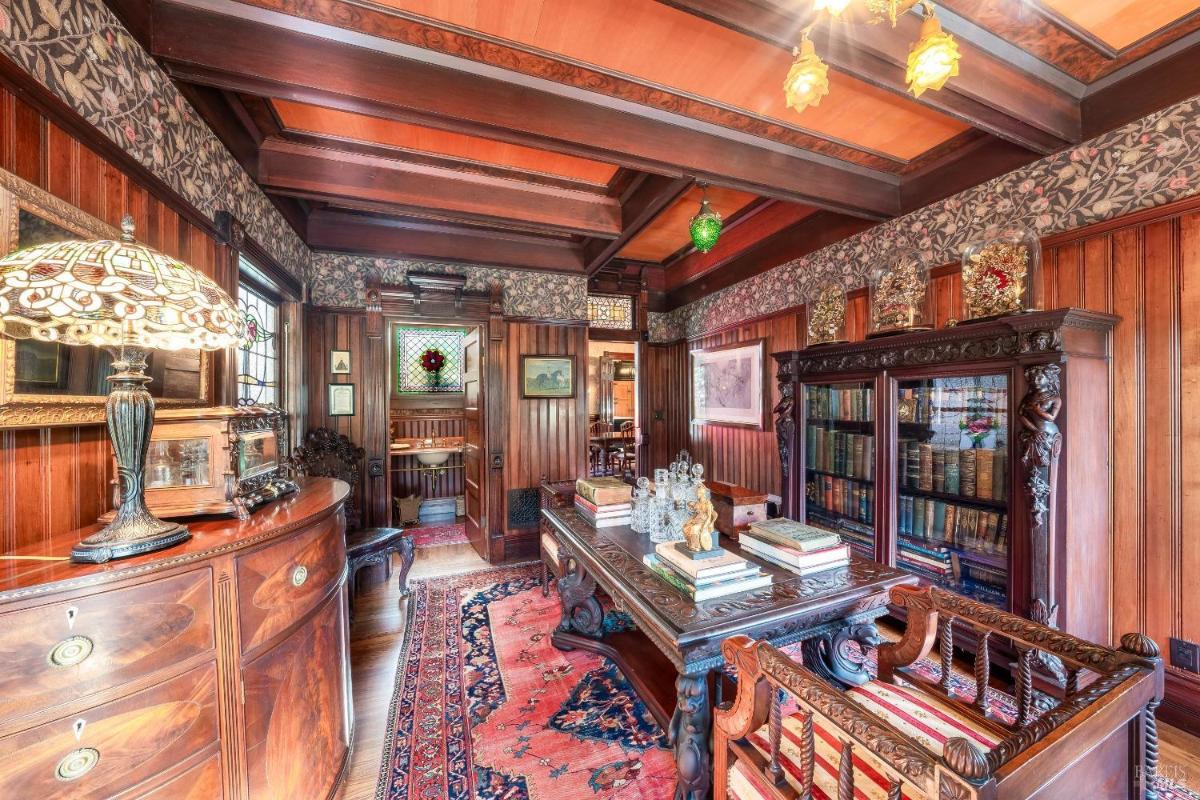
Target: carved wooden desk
[(678, 638)]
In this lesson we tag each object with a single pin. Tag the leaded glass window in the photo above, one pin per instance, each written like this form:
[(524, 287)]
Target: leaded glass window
[(428, 360), (611, 311), (258, 356)]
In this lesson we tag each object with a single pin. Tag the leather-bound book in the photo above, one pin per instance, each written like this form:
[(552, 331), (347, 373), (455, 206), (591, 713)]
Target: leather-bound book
[(1000, 475), (939, 470), (966, 473), (983, 472), (952, 461), (948, 524), (925, 468)]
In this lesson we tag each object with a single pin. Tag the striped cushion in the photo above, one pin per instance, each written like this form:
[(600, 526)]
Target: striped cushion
[(925, 719)]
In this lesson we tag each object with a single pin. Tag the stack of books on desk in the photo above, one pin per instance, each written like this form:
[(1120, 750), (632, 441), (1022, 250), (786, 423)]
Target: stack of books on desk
[(801, 548), (705, 578), (604, 502)]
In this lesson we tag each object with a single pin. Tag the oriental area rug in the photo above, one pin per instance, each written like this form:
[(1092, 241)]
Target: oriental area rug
[(485, 708), (438, 535)]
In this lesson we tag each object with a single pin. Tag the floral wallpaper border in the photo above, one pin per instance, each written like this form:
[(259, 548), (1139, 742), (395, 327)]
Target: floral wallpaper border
[(80, 51), (1147, 163), (340, 280)]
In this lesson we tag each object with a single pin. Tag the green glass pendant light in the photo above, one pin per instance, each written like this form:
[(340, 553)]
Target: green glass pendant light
[(705, 227)]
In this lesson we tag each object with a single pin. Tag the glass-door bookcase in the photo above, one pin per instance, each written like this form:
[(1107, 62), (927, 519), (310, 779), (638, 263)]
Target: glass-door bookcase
[(951, 482), (839, 460)]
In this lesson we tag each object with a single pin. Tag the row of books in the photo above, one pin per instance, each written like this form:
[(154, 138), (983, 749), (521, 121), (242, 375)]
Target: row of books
[(705, 578), (942, 523), (927, 404), (970, 472), (849, 454), (840, 403), (848, 497), (948, 569), (604, 502), (801, 548)]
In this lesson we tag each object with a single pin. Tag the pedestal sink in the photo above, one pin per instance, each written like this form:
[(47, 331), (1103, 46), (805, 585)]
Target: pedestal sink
[(434, 459)]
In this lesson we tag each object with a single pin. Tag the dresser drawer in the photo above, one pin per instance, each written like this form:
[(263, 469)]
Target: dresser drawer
[(111, 748), (201, 782), (56, 653), (279, 584)]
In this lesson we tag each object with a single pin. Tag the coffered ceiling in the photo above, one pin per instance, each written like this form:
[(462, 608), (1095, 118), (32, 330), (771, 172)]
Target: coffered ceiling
[(573, 135)]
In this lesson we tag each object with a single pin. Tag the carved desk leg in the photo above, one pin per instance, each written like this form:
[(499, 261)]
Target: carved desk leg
[(406, 551), (689, 734), (832, 655), (581, 611)]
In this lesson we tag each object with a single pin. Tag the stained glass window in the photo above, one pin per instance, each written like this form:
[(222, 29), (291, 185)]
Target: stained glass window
[(429, 360), (258, 356), (610, 311)]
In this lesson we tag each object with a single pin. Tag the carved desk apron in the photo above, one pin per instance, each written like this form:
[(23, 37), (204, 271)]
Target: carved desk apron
[(825, 611)]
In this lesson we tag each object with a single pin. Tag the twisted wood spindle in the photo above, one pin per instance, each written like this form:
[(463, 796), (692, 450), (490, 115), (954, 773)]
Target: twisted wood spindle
[(808, 757), (1151, 761), (1025, 686), (946, 649), (846, 772), (775, 730), (1072, 685), (983, 671)]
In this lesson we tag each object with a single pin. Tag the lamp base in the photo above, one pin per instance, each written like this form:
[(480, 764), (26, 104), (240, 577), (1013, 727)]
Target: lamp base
[(132, 536)]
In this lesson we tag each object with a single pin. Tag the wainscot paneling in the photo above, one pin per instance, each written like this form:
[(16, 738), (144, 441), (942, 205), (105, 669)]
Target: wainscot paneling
[(57, 479), (435, 424)]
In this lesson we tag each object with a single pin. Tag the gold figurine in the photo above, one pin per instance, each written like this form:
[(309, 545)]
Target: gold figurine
[(699, 530)]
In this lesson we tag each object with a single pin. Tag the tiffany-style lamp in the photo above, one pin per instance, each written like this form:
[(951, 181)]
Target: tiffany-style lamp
[(129, 298)]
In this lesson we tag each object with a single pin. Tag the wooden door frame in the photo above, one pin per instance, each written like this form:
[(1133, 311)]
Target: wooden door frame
[(444, 300)]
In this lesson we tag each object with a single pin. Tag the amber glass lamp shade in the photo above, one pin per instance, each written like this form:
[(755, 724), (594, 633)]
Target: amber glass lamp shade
[(898, 293), (827, 315), (129, 298), (1001, 274)]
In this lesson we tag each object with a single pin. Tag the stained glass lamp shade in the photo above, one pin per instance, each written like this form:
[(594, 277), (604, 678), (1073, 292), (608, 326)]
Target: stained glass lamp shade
[(130, 298)]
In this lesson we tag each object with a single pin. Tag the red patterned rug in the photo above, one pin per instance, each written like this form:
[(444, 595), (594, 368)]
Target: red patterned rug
[(438, 535), (485, 707)]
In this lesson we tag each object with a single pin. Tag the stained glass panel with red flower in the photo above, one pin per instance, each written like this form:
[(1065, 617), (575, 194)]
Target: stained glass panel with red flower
[(428, 360)]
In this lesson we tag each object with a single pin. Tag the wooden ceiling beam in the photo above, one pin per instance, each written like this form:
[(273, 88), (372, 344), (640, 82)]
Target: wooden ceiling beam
[(345, 232), (202, 46), (807, 236), (970, 165), (287, 167), (1141, 89), (989, 94), (653, 195)]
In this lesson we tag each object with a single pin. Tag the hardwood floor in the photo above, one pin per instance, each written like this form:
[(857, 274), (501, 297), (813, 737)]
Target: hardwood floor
[(377, 636)]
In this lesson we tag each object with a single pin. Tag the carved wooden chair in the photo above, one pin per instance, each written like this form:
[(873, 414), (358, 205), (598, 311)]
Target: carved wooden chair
[(329, 454), (904, 735)]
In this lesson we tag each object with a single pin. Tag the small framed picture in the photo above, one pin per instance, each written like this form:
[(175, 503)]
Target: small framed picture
[(339, 362), (547, 376), (341, 400), (728, 385)]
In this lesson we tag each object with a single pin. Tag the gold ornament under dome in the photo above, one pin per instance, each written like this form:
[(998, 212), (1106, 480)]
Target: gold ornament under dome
[(808, 79), (889, 10), (933, 59), (827, 320), (111, 293)]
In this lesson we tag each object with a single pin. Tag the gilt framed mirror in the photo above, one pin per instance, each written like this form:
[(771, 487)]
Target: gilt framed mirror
[(43, 383)]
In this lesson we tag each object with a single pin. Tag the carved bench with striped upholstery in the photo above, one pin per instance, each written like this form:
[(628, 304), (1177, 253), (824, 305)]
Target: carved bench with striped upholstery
[(903, 735)]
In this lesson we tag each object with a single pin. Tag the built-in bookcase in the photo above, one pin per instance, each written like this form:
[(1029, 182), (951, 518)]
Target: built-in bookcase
[(975, 457)]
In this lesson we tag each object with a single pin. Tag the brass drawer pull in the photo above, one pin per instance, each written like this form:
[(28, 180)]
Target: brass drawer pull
[(77, 763), (70, 651), (299, 575)]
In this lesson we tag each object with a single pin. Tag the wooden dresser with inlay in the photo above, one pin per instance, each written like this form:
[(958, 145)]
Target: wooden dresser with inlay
[(215, 669)]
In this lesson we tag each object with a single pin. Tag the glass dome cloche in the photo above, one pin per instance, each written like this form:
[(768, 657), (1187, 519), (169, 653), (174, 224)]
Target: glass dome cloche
[(827, 315), (898, 294), (1001, 274)]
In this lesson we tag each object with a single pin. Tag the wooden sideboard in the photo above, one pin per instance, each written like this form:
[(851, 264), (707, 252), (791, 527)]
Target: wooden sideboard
[(216, 669)]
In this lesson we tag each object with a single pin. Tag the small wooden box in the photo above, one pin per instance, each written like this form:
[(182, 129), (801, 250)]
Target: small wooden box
[(215, 461), (736, 507)]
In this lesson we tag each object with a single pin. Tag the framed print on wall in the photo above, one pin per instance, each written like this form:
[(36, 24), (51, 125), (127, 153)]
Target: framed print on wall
[(341, 400), (727, 384), (339, 362), (547, 376)]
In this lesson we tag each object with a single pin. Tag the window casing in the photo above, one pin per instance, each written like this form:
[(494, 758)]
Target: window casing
[(612, 311)]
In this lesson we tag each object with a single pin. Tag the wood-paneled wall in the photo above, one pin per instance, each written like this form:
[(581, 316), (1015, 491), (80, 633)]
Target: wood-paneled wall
[(1145, 268), (55, 480), (542, 437)]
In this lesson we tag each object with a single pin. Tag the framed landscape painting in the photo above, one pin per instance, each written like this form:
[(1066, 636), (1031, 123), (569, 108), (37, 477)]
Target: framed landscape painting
[(727, 385), (547, 376)]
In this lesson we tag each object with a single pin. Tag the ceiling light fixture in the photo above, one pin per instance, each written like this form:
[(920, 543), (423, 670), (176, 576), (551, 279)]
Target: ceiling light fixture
[(705, 227), (834, 7), (808, 79), (933, 59)]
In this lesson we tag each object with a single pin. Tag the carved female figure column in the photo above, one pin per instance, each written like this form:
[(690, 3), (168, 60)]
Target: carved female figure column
[(1041, 444)]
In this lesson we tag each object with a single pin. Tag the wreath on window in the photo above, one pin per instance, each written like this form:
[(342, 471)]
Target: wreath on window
[(432, 361)]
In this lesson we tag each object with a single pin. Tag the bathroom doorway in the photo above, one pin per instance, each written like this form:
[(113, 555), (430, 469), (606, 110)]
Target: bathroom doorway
[(614, 423)]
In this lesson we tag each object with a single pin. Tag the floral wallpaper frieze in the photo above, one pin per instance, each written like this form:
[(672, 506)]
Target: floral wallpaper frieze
[(1147, 163), (340, 280), (81, 52)]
